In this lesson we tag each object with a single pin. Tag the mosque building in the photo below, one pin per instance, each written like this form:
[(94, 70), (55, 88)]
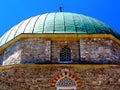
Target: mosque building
[(60, 51)]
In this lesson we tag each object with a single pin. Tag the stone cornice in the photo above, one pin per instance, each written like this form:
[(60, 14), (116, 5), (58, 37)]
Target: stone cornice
[(78, 66)]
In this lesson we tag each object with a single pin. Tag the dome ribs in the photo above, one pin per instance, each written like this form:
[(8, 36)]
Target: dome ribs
[(64, 22), (82, 20), (91, 24), (12, 33), (2, 38), (44, 23), (38, 26), (18, 28), (4, 41), (54, 23), (49, 23), (69, 23), (27, 25), (74, 23), (58, 23), (30, 25), (35, 23)]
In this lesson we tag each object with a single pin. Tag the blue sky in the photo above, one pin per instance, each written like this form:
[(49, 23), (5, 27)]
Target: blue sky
[(14, 11)]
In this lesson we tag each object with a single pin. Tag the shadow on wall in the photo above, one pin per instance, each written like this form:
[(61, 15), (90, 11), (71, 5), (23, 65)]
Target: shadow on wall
[(1, 59), (81, 63)]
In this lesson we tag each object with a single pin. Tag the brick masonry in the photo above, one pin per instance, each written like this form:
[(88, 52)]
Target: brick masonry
[(40, 77), (39, 50)]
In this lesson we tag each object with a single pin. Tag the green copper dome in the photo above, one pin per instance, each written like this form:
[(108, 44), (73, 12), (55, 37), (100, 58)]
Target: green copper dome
[(60, 22)]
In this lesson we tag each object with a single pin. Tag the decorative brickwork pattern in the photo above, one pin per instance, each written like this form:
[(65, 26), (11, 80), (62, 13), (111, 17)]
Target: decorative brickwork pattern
[(64, 75), (66, 82)]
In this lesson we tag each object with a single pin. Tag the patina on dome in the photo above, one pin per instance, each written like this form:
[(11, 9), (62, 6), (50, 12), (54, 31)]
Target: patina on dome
[(60, 22)]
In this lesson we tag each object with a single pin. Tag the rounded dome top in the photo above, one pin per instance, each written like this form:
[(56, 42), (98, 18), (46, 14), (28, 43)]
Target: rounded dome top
[(60, 22)]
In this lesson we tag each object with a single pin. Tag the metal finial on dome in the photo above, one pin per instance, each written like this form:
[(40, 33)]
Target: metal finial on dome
[(60, 8)]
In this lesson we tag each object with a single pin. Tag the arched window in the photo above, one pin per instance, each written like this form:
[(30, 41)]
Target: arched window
[(65, 54), (66, 81), (66, 84)]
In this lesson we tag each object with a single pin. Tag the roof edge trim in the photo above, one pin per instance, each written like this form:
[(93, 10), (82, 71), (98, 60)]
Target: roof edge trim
[(58, 37)]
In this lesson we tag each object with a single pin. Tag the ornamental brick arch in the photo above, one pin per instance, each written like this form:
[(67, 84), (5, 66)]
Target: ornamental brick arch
[(65, 75)]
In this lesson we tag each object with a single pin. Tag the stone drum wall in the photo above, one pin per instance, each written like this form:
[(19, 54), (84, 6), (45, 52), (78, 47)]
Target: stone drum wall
[(12, 54), (40, 50), (35, 51), (99, 51)]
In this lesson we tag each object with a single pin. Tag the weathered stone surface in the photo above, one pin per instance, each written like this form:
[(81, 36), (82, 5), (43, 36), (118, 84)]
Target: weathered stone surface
[(99, 51), (12, 55), (39, 50), (36, 50), (40, 77), (115, 56)]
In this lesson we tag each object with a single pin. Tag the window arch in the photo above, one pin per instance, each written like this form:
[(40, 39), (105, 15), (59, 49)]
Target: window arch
[(65, 54), (66, 81), (66, 84)]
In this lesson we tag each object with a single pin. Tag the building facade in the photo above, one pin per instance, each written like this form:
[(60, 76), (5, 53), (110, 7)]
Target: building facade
[(60, 51)]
